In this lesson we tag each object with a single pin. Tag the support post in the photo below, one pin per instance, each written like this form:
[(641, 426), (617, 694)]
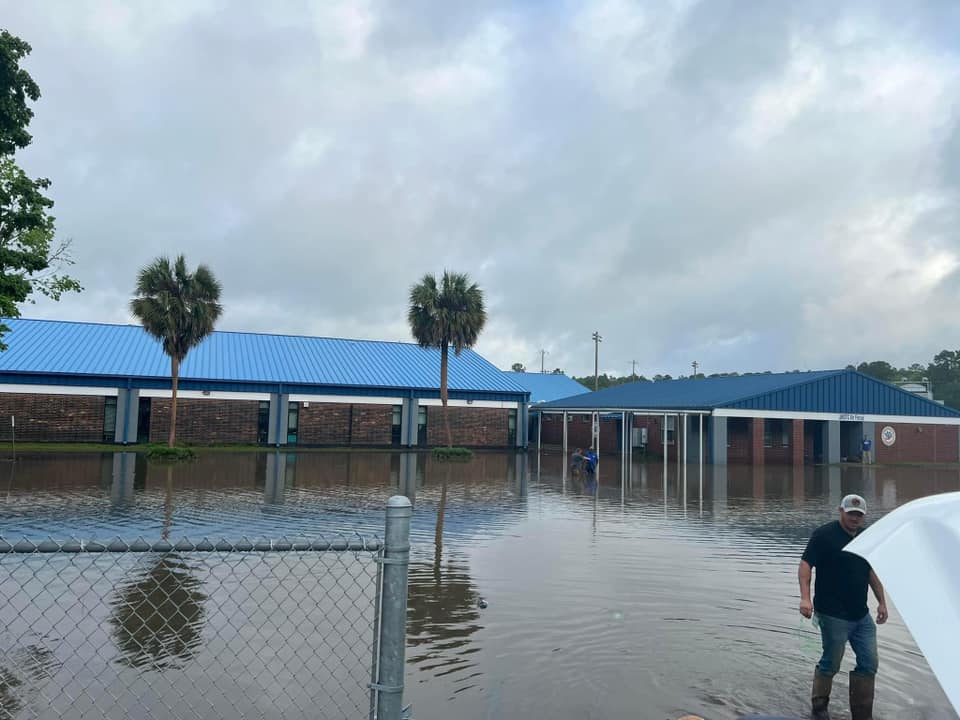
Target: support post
[(796, 442), (831, 441), (700, 445), (758, 451), (685, 463), (391, 656), (566, 448)]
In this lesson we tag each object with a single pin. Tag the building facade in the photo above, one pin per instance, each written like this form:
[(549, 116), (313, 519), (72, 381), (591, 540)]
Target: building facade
[(787, 418), (83, 382)]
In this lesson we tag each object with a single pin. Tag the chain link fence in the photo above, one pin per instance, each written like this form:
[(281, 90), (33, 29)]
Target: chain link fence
[(278, 629)]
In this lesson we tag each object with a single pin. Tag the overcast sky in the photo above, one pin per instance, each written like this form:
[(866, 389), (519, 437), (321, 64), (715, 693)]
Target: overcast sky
[(751, 185)]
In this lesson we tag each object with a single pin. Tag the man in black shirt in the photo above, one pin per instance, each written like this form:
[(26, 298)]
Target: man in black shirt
[(840, 609)]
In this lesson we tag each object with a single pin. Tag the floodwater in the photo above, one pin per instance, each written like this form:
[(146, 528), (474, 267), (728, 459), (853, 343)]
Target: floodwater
[(628, 598)]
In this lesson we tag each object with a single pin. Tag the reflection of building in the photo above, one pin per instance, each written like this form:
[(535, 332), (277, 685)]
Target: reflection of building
[(82, 382), (809, 417)]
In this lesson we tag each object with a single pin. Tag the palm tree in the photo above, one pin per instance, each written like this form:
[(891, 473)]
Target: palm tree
[(449, 314), (178, 308)]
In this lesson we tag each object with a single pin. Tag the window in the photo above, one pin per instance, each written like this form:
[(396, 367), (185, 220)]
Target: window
[(512, 427), (263, 422), (109, 419), (293, 422), (396, 422), (671, 429), (776, 431), (421, 426), (143, 420)]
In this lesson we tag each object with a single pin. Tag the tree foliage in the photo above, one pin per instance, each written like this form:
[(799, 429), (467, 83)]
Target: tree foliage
[(178, 308), (30, 256), (518, 367), (447, 313)]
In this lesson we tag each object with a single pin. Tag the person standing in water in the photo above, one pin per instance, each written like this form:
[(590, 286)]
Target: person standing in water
[(840, 606)]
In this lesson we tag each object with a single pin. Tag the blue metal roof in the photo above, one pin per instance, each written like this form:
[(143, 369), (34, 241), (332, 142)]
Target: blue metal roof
[(546, 387), (90, 350), (826, 391)]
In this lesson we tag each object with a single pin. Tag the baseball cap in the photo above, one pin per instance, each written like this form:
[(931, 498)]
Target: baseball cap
[(854, 503)]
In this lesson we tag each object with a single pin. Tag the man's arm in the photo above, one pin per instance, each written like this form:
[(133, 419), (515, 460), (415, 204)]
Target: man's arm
[(877, 588), (803, 575)]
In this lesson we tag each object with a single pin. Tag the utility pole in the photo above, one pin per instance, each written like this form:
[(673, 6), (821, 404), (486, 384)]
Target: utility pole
[(634, 371), (543, 353), (695, 366), (596, 359)]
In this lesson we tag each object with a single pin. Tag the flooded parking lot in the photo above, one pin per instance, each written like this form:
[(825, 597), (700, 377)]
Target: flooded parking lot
[(533, 593)]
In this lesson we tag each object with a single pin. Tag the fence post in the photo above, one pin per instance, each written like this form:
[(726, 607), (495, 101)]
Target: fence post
[(393, 617)]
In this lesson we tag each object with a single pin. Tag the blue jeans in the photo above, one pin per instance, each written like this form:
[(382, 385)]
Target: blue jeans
[(836, 632)]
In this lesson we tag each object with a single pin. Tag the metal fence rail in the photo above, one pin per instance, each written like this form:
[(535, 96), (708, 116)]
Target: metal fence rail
[(213, 629)]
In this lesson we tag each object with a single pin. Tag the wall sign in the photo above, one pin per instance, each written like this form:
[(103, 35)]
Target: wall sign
[(888, 436)]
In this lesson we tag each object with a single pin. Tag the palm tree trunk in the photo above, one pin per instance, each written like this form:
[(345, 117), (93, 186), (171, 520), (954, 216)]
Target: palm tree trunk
[(174, 377), (444, 355)]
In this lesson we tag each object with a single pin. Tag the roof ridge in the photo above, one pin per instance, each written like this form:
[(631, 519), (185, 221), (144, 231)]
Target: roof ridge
[(256, 333)]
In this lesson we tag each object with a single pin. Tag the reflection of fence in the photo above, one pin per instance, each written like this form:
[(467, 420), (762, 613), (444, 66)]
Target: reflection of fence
[(287, 629)]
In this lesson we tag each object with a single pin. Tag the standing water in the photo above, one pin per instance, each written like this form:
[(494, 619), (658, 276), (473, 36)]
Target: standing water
[(532, 593)]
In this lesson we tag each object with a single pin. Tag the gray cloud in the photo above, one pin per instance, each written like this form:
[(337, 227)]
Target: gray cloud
[(755, 186)]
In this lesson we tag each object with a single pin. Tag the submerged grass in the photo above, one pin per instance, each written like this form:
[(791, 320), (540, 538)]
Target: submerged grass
[(452, 453)]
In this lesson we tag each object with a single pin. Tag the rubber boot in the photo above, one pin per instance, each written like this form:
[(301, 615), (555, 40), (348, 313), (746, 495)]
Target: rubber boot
[(820, 697), (861, 696)]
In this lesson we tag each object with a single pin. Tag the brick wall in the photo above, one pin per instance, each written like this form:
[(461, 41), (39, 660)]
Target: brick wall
[(470, 427), (203, 422), (918, 443), (52, 418), (372, 424), (580, 432), (796, 441), (343, 425), (757, 450), (324, 424)]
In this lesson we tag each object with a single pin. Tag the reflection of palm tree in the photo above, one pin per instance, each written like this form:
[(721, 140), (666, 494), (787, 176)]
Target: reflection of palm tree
[(20, 682), (438, 532), (167, 504), (157, 619)]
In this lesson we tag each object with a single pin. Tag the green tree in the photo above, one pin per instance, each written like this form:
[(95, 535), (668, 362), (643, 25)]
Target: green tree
[(518, 367), (178, 308), (447, 313), (881, 370), (30, 257)]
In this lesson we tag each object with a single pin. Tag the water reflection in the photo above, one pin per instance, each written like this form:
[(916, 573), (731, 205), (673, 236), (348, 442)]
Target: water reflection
[(157, 619), (601, 591), (442, 616), (22, 677)]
